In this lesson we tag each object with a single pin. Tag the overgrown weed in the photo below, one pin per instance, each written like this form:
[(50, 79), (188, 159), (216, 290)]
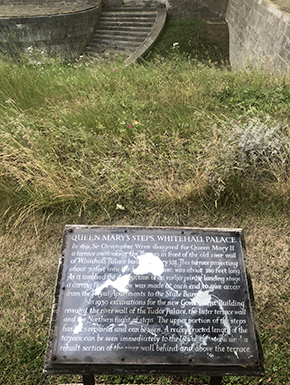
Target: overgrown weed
[(82, 135), (189, 40)]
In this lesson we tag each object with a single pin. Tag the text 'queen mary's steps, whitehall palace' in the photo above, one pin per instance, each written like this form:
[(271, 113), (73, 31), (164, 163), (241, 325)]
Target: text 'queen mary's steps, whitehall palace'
[(129, 31)]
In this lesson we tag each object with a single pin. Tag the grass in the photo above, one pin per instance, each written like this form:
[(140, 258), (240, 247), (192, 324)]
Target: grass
[(93, 137), (284, 5), (171, 140)]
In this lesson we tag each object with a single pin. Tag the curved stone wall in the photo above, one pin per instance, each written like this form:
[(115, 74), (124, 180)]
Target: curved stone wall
[(42, 2), (64, 35), (259, 34)]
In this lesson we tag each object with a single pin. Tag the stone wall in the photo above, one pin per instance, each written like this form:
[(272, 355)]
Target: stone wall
[(182, 9), (65, 35), (259, 34), (205, 9)]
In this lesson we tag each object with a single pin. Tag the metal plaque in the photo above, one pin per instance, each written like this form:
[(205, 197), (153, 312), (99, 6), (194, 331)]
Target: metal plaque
[(153, 300)]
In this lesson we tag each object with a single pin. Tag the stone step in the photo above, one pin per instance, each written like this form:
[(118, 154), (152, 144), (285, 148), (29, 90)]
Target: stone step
[(104, 47), (128, 18), (139, 26), (101, 49), (128, 9), (118, 20), (117, 37), (124, 32), (128, 28), (114, 42), (143, 14)]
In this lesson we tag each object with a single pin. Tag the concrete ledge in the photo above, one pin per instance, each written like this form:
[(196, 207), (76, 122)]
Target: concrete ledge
[(151, 38)]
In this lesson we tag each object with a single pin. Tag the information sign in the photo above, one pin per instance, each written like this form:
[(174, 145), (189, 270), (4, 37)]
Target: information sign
[(153, 300)]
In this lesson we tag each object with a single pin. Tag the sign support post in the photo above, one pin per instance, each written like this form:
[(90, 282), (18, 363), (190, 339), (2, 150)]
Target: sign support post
[(88, 379), (215, 380)]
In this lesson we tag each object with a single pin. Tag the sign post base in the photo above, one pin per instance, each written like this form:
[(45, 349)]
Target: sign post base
[(215, 380), (88, 379)]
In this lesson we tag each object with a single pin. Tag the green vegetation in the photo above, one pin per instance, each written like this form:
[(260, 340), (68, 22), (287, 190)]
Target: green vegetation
[(172, 141), (284, 5), (191, 39)]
